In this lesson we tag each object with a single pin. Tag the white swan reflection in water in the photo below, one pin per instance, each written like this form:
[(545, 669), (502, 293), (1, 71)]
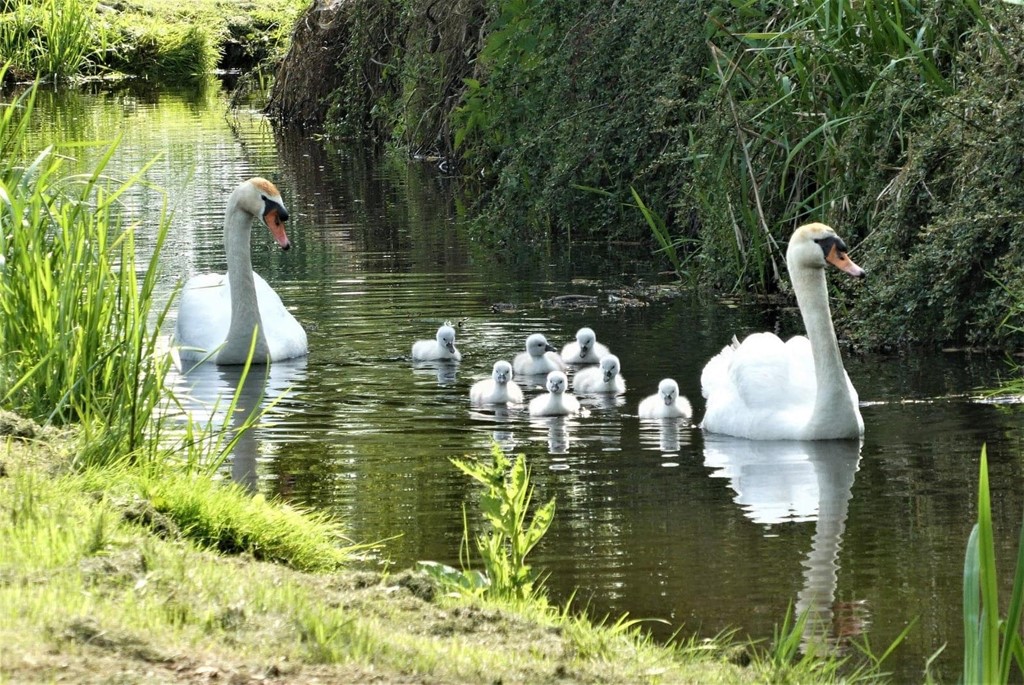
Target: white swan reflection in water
[(205, 392), (668, 436), (782, 481), (556, 430), (445, 370)]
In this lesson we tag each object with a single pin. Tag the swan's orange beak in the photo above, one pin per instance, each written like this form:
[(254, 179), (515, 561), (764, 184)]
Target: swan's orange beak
[(272, 218), (842, 261)]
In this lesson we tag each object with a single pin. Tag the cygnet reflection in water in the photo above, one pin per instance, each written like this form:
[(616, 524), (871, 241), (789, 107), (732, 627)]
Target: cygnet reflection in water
[(445, 371)]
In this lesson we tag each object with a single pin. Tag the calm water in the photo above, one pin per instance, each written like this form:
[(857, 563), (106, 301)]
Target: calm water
[(655, 520)]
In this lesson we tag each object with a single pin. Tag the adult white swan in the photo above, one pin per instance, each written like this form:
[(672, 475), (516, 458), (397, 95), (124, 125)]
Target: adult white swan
[(219, 312), (765, 389)]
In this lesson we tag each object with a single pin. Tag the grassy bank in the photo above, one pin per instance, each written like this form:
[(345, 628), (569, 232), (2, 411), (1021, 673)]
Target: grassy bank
[(102, 579), (154, 39), (99, 581)]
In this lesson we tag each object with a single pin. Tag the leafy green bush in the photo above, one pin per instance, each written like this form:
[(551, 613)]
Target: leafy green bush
[(812, 100), (571, 95), (947, 231)]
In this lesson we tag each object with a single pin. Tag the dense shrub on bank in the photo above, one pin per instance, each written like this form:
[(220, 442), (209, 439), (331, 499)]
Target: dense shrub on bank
[(891, 120), (946, 228)]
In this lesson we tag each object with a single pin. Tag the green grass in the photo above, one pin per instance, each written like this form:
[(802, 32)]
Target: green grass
[(60, 40), (53, 39), (78, 325), (225, 517), (93, 584)]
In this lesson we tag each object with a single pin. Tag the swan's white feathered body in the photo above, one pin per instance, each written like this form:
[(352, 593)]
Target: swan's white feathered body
[(206, 303), (441, 348), (556, 401), (603, 379), (585, 349), (667, 403), (218, 313), (767, 389), (498, 389), (540, 358)]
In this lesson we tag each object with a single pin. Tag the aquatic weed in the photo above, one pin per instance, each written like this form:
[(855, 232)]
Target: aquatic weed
[(509, 538)]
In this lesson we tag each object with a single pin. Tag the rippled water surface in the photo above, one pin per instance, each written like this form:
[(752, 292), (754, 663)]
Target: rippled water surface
[(653, 519)]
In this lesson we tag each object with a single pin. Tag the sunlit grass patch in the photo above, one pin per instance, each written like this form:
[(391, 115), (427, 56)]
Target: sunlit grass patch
[(177, 53), (52, 39), (60, 40), (223, 516)]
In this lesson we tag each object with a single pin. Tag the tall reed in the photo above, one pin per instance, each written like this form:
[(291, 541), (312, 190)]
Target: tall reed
[(78, 324), (807, 91), (991, 645)]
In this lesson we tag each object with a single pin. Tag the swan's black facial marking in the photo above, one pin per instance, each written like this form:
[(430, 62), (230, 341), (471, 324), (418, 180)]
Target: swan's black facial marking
[(828, 242), (270, 205), (835, 252)]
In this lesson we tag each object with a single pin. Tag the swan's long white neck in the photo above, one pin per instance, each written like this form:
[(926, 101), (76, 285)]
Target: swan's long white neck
[(245, 311), (833, 406)]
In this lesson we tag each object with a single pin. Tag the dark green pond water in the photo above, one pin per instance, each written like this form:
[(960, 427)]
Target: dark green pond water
[(658, 521)]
